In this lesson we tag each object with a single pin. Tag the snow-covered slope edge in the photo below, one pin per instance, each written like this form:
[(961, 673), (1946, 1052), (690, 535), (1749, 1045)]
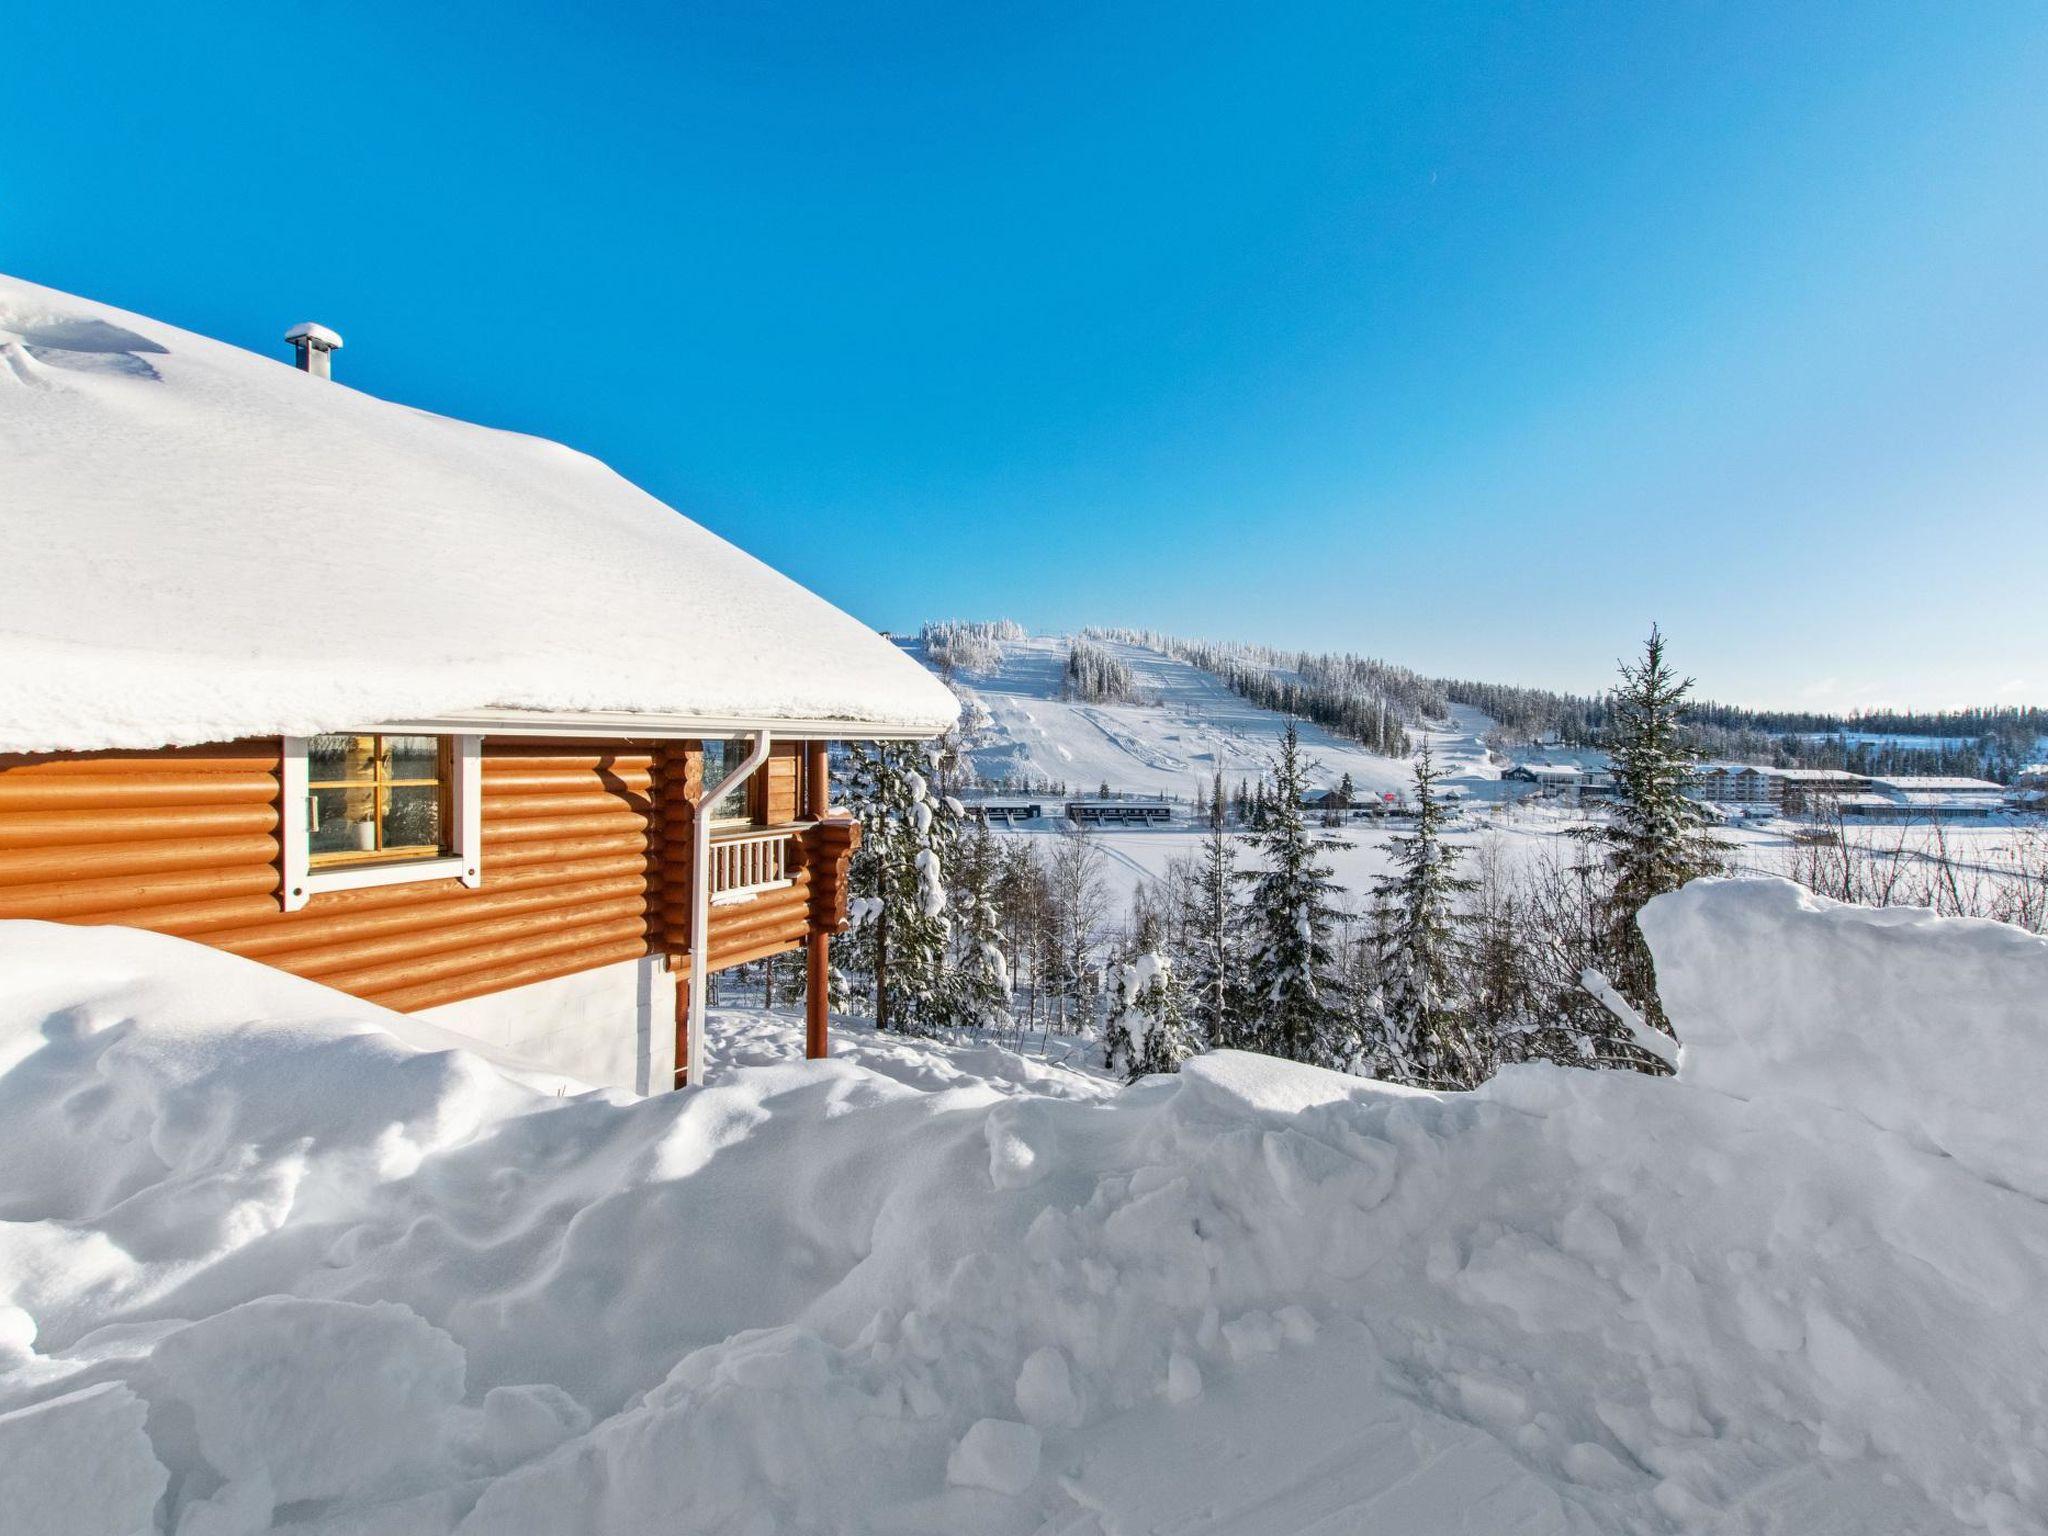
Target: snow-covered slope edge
[(1018, 726), (296, 1273)]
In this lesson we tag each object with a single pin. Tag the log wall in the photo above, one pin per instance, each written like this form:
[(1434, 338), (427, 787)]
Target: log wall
[(586, 853)]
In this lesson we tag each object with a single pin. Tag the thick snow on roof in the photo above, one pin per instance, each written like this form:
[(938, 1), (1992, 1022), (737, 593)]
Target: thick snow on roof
[(204, 544)]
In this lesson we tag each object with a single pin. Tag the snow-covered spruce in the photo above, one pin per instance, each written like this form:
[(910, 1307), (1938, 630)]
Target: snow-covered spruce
[(1149, 1029), (1423, 1030), (1658, 836), (1293, 990)]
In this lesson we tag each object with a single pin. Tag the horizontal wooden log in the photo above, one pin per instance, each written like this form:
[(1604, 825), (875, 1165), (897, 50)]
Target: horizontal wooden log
[(230, 757), (500, 809), (573, 755), (501, 978), (39, 866), (189, 919), (202, 919), (500, 786), (83, 828), (755, 914), (415, 972), (771, 908), (571, 746), (731, 919), (467, 931), (716, 961), (79, 900), (621, 822), (497, 877), (319, 926), (626, 846), (84, 792)]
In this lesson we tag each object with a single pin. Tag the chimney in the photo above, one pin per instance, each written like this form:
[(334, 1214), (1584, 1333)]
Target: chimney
[(314, 342)]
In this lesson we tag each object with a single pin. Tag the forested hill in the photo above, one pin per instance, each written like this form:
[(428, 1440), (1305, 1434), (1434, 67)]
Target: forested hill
[(1994, 740), (1376, 704)]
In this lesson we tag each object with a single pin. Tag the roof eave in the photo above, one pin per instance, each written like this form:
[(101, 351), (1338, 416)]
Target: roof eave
[(535, 722)]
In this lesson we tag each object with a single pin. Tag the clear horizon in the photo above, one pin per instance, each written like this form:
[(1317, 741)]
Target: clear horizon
[(1474, 341)]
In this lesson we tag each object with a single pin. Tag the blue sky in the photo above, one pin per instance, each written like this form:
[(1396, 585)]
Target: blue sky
[(1475, 337)]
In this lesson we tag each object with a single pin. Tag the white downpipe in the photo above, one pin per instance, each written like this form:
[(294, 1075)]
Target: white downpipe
[(700, 898)]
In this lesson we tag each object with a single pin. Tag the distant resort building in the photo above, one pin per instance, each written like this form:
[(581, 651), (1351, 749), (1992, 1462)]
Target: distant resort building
[(1572, 782), (1806, 791), (1792, 790), (1929, 796), (1357, 806), (1007, 812), (1119, 813), (1549, 775)]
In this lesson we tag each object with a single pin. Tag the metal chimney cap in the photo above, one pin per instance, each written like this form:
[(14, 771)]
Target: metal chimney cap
[(312, 335)]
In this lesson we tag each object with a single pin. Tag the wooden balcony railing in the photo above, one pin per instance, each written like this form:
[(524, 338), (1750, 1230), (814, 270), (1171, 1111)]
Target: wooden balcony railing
[(747, 861)]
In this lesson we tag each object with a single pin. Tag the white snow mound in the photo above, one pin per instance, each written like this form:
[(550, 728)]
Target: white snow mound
[(266, 1264), (205, 544), (1949, 1044)]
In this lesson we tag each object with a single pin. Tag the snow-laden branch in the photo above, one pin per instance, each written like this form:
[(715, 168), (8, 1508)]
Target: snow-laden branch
[(1644, 1038)]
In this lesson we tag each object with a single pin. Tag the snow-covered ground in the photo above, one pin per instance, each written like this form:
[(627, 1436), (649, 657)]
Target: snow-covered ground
[(1173, 744), (271, 1258), (1533, 830)]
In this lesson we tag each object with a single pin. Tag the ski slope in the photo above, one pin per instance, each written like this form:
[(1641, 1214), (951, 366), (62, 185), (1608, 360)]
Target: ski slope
[(1191, 725)]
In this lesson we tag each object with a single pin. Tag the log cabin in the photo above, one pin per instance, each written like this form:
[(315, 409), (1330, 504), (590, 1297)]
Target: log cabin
[(451, 719)]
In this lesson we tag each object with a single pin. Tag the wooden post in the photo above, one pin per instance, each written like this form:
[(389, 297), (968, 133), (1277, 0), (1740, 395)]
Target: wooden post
[(817, 994), (817, 944)]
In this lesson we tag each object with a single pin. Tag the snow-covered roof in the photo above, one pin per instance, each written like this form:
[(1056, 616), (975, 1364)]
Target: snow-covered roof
[(1817, 775), (205, 544), (1937, 783)]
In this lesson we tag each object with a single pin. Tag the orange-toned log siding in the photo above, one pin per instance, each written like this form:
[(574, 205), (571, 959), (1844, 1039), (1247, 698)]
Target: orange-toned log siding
[(585, 863)]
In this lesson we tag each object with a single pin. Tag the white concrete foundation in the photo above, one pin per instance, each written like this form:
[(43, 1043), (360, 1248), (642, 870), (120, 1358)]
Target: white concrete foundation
[(613, 1027)]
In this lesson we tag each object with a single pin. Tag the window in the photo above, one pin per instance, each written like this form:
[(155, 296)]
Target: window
[(369, 808), (376, 798), (720, 759)]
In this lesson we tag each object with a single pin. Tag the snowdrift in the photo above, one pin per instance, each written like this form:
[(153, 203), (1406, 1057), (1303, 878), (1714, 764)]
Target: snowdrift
[(272, 1259)]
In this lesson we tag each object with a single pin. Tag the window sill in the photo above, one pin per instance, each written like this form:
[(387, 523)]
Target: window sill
[(398, 873)]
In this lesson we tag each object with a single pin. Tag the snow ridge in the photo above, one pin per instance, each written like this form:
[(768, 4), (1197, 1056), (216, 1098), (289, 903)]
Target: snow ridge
[(384, 1285)]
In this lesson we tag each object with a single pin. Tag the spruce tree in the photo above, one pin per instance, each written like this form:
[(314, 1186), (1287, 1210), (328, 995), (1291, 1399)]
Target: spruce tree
[(1657, 837), (1148, 1029), (1294, 994), (1213, 964), (977, 990), (897, 884), (1425, 1032)]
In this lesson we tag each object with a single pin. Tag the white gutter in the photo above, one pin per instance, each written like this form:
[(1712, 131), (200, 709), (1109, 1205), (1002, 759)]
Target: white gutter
[(543, 722), (700, 899)]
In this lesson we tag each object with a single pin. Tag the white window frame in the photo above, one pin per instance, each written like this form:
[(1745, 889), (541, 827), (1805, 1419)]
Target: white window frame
[(302, 881)]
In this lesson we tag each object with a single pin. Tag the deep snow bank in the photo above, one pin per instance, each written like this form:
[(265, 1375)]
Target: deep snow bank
[(1933, 1027), (273, 1268)]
